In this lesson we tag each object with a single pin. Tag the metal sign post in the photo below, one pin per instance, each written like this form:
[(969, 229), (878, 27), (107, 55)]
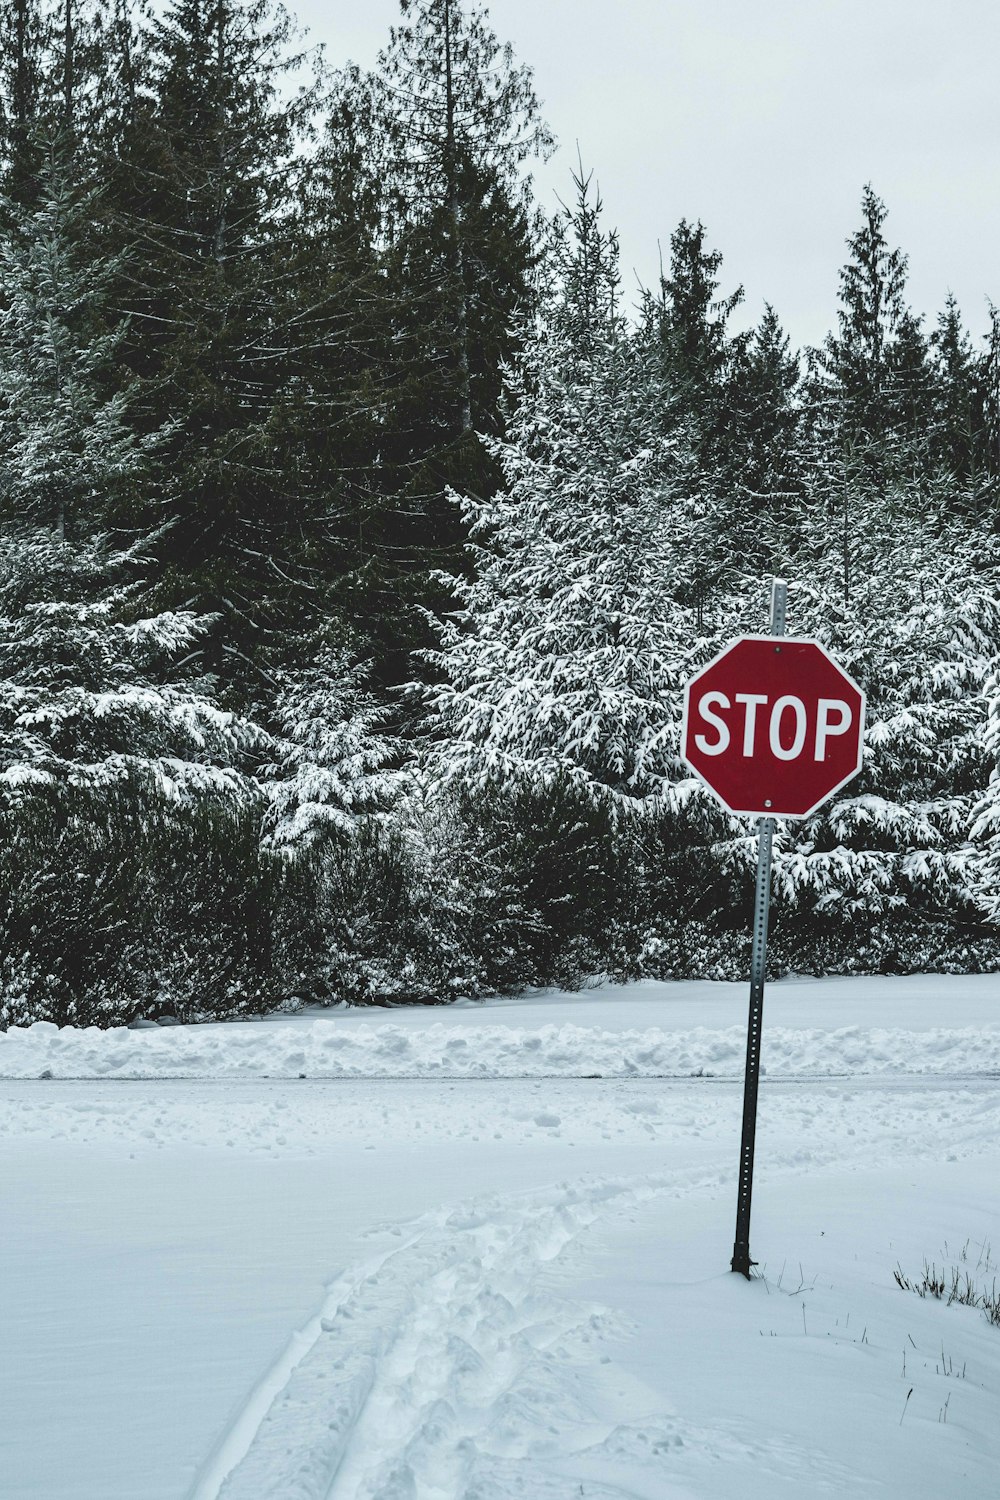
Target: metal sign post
[(774, 727), (758, 964)]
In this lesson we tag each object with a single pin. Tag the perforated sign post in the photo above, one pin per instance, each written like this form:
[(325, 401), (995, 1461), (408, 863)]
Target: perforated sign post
[(773, 727)]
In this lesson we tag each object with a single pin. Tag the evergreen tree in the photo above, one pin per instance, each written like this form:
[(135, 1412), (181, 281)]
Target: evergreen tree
[(67, 453), (872, 381), (209, 169), (460, 119), (80, 37), (570, 645), (910, 399), (765, 486), (986, 823), (698, 352), (91, 688), (989, 396), (132, 878), (433, 147), (872, 305), (918, 632), (334, 425), (332, 756), (955, 419), (23, 36), (52, 90)]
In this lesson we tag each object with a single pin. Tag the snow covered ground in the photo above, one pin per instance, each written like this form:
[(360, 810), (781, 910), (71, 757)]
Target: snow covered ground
[(414, 1275)]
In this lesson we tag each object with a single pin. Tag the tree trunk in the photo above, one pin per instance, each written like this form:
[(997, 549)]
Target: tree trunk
[(69, 67), (461, 309)]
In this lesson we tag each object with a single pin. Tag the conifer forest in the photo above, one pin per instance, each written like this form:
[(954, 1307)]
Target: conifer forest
[(362, 524)]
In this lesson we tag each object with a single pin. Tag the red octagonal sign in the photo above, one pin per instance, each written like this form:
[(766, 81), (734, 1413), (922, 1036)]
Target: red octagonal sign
[(773, 726)]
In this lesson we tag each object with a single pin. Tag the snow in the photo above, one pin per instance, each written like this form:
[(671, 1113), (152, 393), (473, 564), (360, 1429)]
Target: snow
[(233, 1287), (326, 1050), (585, 1036)]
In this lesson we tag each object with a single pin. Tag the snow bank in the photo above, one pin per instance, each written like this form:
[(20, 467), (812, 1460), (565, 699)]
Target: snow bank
[(328, 1049)]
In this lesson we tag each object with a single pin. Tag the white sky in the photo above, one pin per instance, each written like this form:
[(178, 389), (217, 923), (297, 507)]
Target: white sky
[(764, 119)]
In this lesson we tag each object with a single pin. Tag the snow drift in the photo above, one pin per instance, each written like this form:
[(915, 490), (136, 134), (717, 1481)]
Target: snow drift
[(331, 1049)]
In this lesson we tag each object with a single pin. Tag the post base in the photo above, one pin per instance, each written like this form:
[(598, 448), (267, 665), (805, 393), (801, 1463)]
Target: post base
[(741, 1262)]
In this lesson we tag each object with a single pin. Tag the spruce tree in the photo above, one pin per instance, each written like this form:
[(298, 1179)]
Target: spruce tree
[(133, 881), (872, 286), (94, 689), (989, 397), (23, 35), (871, 381), (698, 352), (956, 420), (435, 143), (766, 461), (68, 455), (207, 189), (571, 642), (331, 767), (918, 630), (335, 425), (985, 830), (910, 399), (460, 120)]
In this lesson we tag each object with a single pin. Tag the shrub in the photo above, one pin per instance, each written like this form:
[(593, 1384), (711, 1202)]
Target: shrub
[(118, 902)]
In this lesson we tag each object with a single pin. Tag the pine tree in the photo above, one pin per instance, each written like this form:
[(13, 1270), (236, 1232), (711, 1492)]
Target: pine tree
[(434, 143), (77, 82), (92, 689), (872, 286), (132, 876), (985, 830), (460, 121), (872, 376), (571, 644), (918, 631), (343, 380), (53, 91), (955, 419), (909, 381), (209, 171), (698, 351), (764, 442), (23, 37), (989, 397), (68, 456), (332, 757)]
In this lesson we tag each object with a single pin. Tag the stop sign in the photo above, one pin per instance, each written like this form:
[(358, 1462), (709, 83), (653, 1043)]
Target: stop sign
[(773, 726)]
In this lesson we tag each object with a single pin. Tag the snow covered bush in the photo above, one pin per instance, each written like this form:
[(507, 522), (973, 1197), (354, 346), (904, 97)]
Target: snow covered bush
[(367, 918), (559, 863), (116, 902), (333, 761), (986, 825), (374, 924)]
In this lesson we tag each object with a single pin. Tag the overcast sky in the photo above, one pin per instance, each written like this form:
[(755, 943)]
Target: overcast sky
[(764, 119)]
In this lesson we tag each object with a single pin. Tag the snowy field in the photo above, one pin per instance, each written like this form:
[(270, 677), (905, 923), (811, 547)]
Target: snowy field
[(482, 1253)]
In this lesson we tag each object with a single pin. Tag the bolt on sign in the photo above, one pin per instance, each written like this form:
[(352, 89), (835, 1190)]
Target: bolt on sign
[(773, 726)]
